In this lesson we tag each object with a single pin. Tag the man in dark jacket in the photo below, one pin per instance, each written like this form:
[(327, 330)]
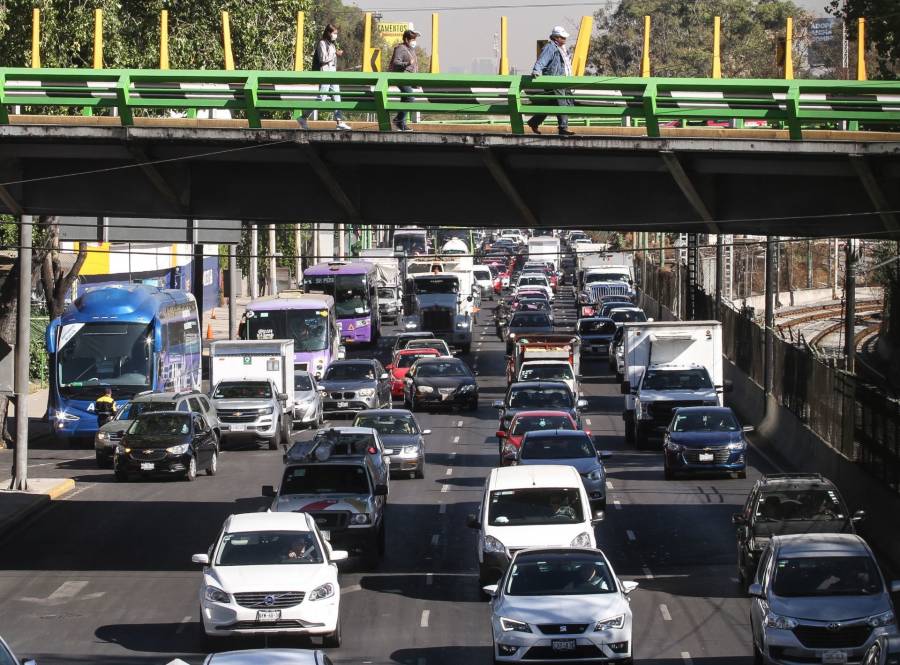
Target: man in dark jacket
[(404, 60), (554, 60)]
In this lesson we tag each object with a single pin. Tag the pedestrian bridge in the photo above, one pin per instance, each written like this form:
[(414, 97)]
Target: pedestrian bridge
[(781, 157)]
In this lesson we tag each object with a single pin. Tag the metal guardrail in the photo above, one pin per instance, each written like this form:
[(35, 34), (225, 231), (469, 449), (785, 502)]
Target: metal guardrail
[(651, 101)]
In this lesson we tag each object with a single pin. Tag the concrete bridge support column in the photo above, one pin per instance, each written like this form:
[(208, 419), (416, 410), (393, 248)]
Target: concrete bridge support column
[(273, 262), (254, 261), (720, 273), (298, 253), (23, 344), (850, 309), (769, 365), (233, 282)]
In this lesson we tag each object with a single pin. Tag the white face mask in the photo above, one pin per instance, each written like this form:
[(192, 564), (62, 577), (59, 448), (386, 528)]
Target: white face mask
[(412, 43), (334, 36)]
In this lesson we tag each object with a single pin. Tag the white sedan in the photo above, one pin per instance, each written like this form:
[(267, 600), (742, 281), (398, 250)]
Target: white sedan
[(561, 604), (271, 573)]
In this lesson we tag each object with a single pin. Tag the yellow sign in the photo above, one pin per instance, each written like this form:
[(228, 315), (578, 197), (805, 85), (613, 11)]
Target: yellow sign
[(392, 33)]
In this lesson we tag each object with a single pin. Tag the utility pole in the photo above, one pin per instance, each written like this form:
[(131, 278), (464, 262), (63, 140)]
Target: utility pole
[(720, 272), (769, 372), (298, 254), (850, 309), (232, 292), (23, 345), (834, 268), (254, 261), (273, 263)]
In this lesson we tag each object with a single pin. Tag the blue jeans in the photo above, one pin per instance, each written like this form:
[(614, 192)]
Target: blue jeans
[(561, 101), (333, 91), (400, 118)]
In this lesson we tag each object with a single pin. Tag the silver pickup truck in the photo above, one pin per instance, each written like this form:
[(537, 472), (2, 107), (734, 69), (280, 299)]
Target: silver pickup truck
[(252, 409)]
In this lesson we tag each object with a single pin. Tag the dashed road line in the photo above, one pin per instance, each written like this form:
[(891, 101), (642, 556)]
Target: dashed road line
[(665, 612), (456, 439), (647, 573), (435, 539), (459, 423), (445, 488), (617, 504), (686, 657), (587, 421), (423, 622), (183, 625), (443, 509), (449, 472), (631, 535), (609, 485), (429, 580)]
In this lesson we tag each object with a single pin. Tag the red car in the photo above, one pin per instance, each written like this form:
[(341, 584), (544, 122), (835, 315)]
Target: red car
[(402, 361), (530, 421)]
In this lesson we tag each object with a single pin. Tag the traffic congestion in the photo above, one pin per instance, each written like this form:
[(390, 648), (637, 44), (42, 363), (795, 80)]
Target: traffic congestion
[(466, 447)]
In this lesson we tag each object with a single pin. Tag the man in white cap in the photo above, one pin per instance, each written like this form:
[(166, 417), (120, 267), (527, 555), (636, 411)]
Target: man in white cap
[(554, 60), (404, 60)]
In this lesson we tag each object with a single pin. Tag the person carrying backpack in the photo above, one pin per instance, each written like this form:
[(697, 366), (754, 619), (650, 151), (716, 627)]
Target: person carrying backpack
[(325, 60)]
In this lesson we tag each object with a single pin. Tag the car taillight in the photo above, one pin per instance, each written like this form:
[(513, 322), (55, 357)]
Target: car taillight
[(371, 450)]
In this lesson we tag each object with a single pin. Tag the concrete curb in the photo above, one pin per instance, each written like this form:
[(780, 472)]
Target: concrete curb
[(64, 486), (17, 507)]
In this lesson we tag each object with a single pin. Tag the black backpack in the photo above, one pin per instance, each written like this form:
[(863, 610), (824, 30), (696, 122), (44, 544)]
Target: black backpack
[(316, 63)]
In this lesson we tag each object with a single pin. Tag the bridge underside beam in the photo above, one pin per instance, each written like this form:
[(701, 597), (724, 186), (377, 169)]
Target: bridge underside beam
[(686, 185), (756, 187), (875, 192)]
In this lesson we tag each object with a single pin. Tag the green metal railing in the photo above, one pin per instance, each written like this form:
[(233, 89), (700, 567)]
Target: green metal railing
[(650, 102)]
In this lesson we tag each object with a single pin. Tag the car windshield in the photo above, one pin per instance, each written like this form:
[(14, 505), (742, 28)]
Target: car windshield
[(535, 505), (607, 277), (442, 369), (388, 424), (350, 372), (533, 280), (268, 548), (386, 293), (243, 390), (827, 576), (627, 315), (530, 320), (536, 423), (482, 275), (407, 359), (540, 397), (429, 285), (799, 505), (554, 372), (676, 379), (705, 421), (587, 326), (557, 447), (325, 479), (302, 382), (133, 409), (307, 327), (409, 243), (161, 424), (559, 575)]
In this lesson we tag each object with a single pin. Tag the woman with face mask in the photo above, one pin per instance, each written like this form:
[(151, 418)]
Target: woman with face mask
[(325, 60), (404, 60)]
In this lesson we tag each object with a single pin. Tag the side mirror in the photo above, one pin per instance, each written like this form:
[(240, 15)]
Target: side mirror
[(858, 516), (650, 320), (338, 555), (598, 519), (895, 586), (629, 586), (738, 519), (497, 403), (604, 454), (269, 491), (625, 388), (500, 434), (202, 559), (748, 428), (383, 377), (491, 590), (426, 432), (342, 352), (381, 490), (388, 452), (29, 662), (755, 590), (472, 521), (581, 404), (282, 397)]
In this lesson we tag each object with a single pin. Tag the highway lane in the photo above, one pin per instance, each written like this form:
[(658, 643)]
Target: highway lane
[(105, 575)]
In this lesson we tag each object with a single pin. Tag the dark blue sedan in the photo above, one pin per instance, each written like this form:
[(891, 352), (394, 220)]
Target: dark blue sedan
[(705, 438)]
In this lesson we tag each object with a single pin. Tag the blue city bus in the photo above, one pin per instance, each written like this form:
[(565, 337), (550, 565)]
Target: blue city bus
[(129, 338)]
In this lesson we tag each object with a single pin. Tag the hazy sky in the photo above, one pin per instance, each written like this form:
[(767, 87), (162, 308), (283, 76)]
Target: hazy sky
[(467, 33)]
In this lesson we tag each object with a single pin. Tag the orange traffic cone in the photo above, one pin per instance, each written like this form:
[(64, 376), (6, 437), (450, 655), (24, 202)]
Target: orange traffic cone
[(209, 334)]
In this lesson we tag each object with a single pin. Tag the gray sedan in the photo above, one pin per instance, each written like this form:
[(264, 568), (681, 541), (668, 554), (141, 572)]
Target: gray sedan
[(403, 439), (307, 409), (355, 385)]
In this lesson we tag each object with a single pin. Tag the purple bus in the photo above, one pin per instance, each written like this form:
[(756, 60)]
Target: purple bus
[(309, 320), (354, 288)]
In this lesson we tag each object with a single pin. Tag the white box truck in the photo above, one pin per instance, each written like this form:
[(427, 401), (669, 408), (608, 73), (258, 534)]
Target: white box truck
[(669, 364)]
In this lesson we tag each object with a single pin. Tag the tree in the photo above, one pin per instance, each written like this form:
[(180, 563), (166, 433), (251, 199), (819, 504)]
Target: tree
[(55, 281), (682, 37), (882, 30)]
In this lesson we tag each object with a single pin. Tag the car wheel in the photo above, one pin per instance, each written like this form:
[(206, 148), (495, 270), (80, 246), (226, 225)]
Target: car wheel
[(420, 470), (758, 658), (213, 464), (412, 404), (629, 431), (333, 640), (191, 473), (275, 440), (741, 475), (473, 405)]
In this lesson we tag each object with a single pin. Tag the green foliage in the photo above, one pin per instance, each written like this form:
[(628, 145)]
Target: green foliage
[(38, 368), (882, 31), (682, 37)]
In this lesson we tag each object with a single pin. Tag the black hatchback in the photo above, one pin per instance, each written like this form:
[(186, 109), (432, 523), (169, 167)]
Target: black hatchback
[(172, 443)]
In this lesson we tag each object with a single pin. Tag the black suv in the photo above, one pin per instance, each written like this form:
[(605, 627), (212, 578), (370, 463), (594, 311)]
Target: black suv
[(167, 443), (785, 504)]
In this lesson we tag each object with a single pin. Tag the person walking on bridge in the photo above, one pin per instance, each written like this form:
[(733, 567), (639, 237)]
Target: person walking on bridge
[(404, 60), (325, 60), (554, 60)]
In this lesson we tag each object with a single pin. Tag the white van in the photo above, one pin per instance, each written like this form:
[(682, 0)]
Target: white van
[(484, 280), (530, 506)]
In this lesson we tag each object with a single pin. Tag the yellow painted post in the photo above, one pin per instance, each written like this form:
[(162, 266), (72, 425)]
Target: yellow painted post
[(367, 43), (36, 38), (789, 50), (504, 58), (717, 54), (861, 50), (98, 39), (164, 39), (435, 59), (645, 56), (579, 58), (298, 43), (226, 41)]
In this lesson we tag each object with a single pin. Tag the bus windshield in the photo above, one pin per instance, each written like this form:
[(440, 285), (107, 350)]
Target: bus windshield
[(307, 327), (351, 297), (409, 243), (91, 355)]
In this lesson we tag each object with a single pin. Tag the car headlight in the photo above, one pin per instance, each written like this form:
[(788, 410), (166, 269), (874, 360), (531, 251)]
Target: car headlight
[(462, 324), (780, 622), (758, 544), (491, 544), (64, 416), (737, 445), (611, 623), (596, 475), (216, 595), (359, 518), (583, 539), (180, 449), (881, 620), (512, 625), (410, 450), (323, 393), (674, 447), (322, 592), (366, 392), (266, 411), (425, 389), (469, 387), (102, 436), (121, 450)]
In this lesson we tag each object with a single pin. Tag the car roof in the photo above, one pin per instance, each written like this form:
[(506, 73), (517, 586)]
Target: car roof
[(554, 433), (604, 319), (287, 521), (168, 412), (780, 481), (267, 657), (542, 413), (385, 412), (417, 351), (348, 429), (163, 397), (538, 476), (704, 409), (538, 384), (559, 551), (555, 361), (352, 361), (439, 359), (820, 544)]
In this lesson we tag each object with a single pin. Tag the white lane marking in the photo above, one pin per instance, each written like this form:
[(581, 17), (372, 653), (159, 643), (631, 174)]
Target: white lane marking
[(59, 461), (665, 612), (429, 579), (452, 456), (459, 423), (686, 657), (647, 573), (423, 622), (434, 539), (455, 439), (631, 535), (609, 485), (351, 588), (445, 488), (63, 594), (442, 509), (183, 625), (617, 504), (449, 472), (587, 421)]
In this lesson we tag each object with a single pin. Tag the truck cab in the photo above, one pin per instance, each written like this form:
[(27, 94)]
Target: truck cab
[(438, 302)]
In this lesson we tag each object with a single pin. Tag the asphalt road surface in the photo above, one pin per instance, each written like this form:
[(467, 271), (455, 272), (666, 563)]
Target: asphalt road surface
[(104, 576)]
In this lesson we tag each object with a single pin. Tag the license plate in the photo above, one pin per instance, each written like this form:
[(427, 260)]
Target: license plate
[(343, 405), (562, 645), (834, 657), (707, 457), (268, 615), (237, 428), (147, 466)]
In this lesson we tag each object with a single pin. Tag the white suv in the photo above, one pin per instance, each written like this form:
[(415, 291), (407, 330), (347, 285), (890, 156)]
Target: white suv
[(271, 573), (530, 506)]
